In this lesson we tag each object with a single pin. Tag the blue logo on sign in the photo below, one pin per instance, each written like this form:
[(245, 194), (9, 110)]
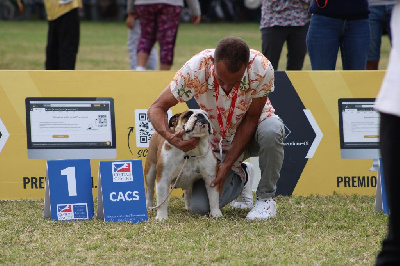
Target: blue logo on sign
[(75, 211), (122, 172)]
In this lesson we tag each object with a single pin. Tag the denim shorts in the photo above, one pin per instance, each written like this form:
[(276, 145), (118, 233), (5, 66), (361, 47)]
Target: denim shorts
[(379, 23)]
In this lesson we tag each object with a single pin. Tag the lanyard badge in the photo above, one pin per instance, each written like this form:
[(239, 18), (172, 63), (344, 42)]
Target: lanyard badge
[(230, 113)]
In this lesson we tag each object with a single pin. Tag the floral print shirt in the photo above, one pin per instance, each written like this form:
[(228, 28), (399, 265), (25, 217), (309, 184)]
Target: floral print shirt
[(196, 79), (284, 13)]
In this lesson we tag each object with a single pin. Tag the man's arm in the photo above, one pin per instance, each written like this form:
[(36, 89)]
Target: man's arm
[(158, 117), (244, 134)]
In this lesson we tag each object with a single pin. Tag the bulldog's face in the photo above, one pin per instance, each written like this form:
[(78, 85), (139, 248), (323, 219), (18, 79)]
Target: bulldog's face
[(195, 122)]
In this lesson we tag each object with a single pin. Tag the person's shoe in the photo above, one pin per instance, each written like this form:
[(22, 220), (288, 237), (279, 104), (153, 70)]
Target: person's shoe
[(263, 209), (64, 2), (245, 199)]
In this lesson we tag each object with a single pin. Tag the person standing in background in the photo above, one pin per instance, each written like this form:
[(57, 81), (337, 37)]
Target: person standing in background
[(379, 23), (387, 104), (133, 25), (159, 21), (63, 34), (285, 21), (338, 24)]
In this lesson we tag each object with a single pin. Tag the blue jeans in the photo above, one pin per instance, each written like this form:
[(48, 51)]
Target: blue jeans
[(326, 35), (379, 21)]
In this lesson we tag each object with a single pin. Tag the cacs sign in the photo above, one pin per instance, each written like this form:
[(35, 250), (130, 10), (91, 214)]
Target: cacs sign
[(127, 196), (121, 195)]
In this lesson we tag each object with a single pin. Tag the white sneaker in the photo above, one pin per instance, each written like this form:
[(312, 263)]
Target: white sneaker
[(64, 2), (245, 199), (263, 209)]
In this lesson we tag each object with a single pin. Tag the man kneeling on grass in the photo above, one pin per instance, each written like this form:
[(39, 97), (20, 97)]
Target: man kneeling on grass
[(231, 83)]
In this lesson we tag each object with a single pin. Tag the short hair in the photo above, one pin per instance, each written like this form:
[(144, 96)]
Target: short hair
[(234, 52)]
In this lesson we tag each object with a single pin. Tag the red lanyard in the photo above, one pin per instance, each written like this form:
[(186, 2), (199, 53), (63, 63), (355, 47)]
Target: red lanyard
[(326, 2), (231, 108)]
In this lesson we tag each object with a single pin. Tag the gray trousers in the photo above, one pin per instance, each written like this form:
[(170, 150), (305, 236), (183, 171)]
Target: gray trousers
[(267, 144), (133, 40)]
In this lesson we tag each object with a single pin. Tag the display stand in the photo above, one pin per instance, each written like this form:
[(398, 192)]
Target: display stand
[(381, 204)]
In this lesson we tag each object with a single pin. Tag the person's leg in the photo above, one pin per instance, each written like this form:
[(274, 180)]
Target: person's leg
[(131, 45), (323, 42), (51, 62), (268, 146), (246, 200), (296, 47), (376, 22), (232, 187), (69, 39), (133, 40), (388, 15), (167, 24), (148, 27), (390, 146), (152, 62), (272, 39), (355, 44)]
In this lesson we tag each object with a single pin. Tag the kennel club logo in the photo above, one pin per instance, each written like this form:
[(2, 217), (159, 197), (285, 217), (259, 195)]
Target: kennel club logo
[(75, 211), (122, 172)]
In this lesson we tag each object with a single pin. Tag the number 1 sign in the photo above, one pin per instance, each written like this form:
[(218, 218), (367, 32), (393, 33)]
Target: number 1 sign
[(68, 194)]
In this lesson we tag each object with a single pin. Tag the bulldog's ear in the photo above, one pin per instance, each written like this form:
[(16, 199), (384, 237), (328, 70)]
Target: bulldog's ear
[(173, 121)]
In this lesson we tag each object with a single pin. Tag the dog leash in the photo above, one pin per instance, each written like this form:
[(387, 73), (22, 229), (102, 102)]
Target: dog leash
[(186, 157)]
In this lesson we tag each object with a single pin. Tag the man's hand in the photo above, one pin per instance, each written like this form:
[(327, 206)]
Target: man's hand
[(130, 21), (184, 145), (219, 180)]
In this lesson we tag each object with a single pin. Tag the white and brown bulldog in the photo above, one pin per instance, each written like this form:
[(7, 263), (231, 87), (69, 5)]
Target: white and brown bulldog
[(167, 164)]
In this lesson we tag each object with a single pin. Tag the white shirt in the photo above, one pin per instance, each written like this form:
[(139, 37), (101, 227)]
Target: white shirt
[(388, 100)]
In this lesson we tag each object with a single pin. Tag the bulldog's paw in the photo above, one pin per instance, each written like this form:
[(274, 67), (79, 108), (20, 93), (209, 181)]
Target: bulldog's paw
[(216, 213), (149, 204), (161, 217)]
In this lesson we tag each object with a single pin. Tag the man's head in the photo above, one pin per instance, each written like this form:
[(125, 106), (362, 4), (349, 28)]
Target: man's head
[(234, 52), (231, 57)]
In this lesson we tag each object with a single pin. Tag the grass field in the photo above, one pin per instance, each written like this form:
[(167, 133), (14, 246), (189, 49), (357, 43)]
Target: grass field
[(103, 45), (315, 230)]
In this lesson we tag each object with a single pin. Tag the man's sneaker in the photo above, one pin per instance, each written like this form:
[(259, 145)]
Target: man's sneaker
[(263, 209), (245, 199), (64, 2)]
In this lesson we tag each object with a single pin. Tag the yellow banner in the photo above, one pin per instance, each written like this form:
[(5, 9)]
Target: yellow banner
[(327, 172), (23, 178)]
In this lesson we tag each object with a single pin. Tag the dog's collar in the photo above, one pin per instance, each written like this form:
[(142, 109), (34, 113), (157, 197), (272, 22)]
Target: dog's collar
[(187, 156), (191, 156)]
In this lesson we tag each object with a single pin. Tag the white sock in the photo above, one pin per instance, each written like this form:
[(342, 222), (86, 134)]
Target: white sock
[(140, 68)]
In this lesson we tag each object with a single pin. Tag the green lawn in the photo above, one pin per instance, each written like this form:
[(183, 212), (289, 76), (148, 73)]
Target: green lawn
[(314, 230), (103, 44)]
